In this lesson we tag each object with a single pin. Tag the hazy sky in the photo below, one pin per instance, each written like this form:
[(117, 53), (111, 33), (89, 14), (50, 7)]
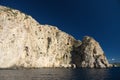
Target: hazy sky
[(97, 18)]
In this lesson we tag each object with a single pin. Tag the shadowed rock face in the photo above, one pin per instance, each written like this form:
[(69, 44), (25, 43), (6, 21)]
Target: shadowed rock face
[(28, 44)]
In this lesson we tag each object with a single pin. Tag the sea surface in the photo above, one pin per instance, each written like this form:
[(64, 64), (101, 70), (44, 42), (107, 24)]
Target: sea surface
[(61, 74)]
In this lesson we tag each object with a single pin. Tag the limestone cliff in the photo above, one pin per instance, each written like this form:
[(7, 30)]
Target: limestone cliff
[(26, 43)]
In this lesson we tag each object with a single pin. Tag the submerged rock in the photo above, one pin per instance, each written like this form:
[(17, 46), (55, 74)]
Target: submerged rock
[(26, 43)]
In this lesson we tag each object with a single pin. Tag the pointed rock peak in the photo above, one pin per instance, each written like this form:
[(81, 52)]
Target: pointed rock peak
[(88, 39)]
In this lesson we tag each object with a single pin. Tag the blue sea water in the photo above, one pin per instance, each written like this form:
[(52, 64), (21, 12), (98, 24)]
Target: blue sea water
[(61, 74)]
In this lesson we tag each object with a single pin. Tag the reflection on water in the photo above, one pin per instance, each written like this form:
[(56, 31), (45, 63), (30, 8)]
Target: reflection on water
[(96, 74), (36, 74), (91, 74), (56, 74)]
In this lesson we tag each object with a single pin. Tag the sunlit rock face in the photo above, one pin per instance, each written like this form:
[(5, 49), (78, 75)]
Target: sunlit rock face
[(24, 43)]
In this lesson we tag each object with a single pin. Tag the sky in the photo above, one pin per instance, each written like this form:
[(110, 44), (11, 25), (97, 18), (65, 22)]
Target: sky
[(99, 19)]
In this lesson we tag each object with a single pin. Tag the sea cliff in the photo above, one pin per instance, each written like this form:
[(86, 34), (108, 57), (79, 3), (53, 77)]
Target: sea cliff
[(25, 43)]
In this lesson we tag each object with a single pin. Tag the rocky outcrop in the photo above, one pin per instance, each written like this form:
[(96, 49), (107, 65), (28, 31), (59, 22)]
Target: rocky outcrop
[(90, 54), (28, 44)]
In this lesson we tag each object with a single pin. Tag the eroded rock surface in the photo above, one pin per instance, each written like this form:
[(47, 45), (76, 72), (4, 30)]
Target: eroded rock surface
[(90, 54), (26, 43)]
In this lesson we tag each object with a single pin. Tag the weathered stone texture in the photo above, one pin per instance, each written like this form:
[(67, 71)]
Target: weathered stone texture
[(26, 43)]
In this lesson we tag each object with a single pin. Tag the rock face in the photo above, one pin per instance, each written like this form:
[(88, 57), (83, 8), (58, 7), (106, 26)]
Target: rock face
[(28, 44), (90, 54)]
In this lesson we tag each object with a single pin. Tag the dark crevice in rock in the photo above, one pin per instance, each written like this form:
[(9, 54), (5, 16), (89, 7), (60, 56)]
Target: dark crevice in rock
[(27, 50), (49, 42)]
